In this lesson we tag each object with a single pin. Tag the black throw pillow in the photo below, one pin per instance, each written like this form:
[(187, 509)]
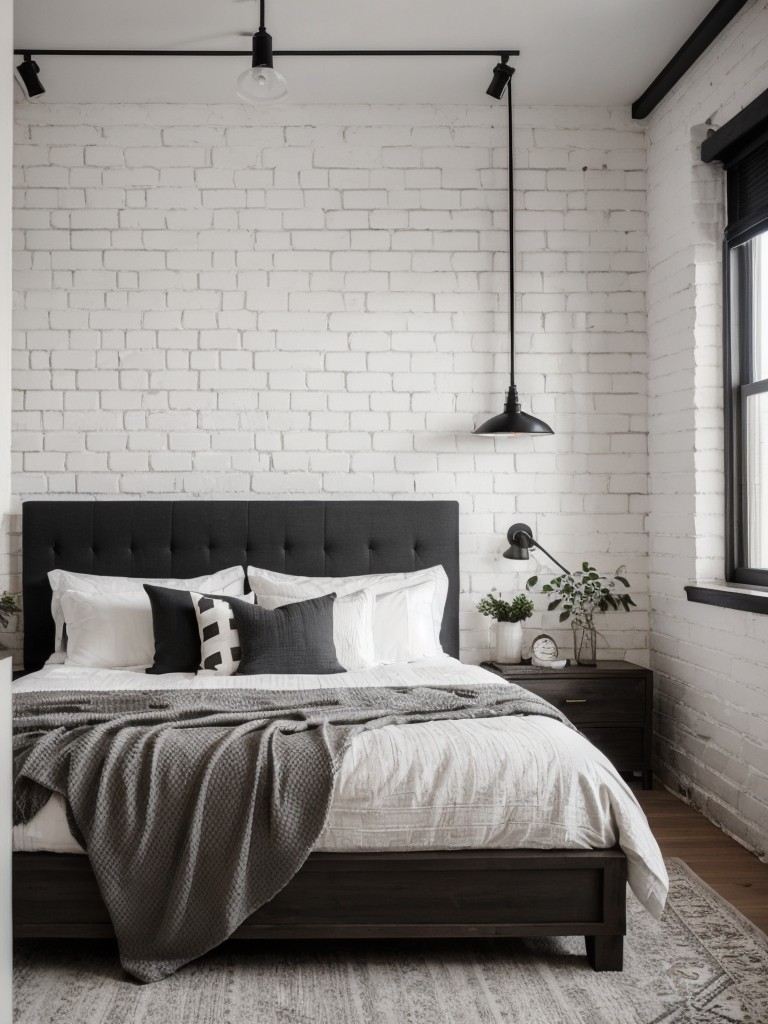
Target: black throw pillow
[(294, 639), (174, 623)]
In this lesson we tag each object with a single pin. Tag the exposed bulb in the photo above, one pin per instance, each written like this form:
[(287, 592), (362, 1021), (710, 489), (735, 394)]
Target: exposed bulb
[(261, 85)]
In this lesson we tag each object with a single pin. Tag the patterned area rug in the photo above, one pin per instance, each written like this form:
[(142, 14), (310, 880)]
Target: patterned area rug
[(704, 964)]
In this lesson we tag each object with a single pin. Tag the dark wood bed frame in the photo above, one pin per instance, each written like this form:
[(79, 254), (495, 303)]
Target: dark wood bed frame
[(441, 893)]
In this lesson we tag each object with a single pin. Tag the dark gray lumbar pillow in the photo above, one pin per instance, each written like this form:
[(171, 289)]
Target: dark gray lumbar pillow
[(294, 639)]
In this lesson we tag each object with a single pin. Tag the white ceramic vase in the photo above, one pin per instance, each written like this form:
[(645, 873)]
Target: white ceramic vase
[(509, 642)]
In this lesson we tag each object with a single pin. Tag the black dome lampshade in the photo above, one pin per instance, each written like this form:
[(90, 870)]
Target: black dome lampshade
[(512, 420)]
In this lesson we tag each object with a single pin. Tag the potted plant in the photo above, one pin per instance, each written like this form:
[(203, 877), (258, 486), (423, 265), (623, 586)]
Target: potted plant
[(9, 605), (581, 594), (509, 630)]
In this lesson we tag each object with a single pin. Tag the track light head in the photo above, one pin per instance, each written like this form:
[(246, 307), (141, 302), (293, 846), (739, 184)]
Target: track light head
[(27, 72), (502, 74)]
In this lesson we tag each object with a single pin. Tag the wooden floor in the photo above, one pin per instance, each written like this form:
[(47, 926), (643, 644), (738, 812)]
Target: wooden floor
[(723, 864)]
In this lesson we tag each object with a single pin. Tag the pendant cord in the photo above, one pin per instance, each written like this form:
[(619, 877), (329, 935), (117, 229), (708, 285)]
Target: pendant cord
[(262, 26), (511, 165)]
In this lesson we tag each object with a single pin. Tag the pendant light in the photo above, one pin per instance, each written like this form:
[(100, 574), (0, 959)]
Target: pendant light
[(261, 83), (512, 421)]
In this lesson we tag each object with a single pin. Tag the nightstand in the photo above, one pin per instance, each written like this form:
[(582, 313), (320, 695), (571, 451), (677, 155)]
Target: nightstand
[(611, 703)]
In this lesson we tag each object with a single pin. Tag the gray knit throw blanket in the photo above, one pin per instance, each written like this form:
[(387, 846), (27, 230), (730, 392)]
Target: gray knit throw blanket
[(197, 807)]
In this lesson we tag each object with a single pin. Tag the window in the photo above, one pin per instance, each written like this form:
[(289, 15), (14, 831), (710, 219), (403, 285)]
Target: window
[(746, 369)]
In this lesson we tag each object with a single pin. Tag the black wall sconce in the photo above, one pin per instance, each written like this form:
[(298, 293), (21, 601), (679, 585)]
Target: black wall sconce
[(521, 540)]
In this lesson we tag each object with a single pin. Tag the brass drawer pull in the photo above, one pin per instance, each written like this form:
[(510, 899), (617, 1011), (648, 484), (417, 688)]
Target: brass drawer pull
[(575, 700)]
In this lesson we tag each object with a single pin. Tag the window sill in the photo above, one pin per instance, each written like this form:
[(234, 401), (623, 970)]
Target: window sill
[(726, 595)]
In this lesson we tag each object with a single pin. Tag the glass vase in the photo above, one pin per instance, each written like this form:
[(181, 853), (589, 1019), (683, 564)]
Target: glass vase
[(585, 645)]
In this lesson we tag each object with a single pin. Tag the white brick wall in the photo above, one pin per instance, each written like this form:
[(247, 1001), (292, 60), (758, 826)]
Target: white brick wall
[(7, 543), (311, 302), (711, 664)]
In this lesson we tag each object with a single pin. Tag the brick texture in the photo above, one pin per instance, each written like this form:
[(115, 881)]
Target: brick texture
[(311, 302), (712, 712)]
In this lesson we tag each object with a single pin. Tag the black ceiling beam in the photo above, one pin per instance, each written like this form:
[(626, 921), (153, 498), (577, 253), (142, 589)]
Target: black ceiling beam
[(21, 51), (697, 42)]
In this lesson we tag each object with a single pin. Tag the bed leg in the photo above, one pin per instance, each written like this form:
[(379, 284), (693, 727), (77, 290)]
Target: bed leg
[(605, 952)]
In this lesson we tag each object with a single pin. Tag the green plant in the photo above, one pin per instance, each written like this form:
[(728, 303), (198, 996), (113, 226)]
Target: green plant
[(519, 610), (584, 592), (9, 605)]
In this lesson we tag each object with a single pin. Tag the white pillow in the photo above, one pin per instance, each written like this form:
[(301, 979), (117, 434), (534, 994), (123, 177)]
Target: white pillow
[(403, 624), (108, 630), (352, 624), (405, 628), (219, 640), (226, 581)]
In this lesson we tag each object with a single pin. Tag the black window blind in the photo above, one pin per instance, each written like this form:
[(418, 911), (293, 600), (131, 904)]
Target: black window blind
[(747, 186)]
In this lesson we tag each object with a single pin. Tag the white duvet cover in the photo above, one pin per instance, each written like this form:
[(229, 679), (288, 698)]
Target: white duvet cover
[(500, 783)]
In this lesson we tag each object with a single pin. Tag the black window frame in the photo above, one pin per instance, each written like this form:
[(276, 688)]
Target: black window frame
[(738, 353), (741, 146)]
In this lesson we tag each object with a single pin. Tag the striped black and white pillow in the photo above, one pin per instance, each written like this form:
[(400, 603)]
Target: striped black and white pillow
[(219, 640)]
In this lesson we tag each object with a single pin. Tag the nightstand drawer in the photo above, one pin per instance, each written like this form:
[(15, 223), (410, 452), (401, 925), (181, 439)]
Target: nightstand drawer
[(623, 746), (593, 700), (610, 702)]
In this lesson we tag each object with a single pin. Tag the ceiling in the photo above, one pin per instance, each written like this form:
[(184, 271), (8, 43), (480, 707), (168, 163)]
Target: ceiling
[(598, 53)]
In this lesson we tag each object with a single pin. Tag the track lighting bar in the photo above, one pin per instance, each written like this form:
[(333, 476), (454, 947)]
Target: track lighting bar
[(277, 53)]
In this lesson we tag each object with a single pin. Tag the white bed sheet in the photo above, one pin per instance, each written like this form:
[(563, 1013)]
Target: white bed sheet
[(502, 783)]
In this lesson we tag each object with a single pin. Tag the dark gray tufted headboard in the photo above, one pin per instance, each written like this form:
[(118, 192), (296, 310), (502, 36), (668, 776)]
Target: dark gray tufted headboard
[(189, 538)]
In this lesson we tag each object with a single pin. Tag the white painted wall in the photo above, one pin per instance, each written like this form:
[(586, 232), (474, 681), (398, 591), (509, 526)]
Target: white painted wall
[(711, 663), (6, 138), (310, 302)]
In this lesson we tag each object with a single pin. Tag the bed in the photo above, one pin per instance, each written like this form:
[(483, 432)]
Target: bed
[(380, 885)]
